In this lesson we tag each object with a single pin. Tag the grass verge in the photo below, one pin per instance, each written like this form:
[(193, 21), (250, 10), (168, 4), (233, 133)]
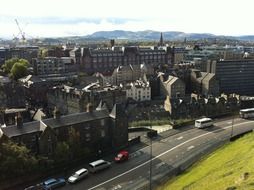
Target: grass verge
[(230, 167)]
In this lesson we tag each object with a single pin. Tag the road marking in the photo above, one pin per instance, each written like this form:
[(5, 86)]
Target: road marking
[(162, 154), (179, 138), (190, 147)]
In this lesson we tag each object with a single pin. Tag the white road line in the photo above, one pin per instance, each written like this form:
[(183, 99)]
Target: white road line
[(162, 154), (179, 138)]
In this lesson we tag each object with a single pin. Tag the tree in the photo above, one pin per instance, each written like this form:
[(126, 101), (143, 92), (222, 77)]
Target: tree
[(17, 68), (7, 66), (43, 52), (15, 160)]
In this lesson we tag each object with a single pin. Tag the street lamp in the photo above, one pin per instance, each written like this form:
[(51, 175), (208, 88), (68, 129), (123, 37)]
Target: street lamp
[(151, 150), (232, 126)]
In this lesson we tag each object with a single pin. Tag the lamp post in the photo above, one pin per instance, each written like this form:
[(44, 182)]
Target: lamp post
[(151, 153), (232, 127)]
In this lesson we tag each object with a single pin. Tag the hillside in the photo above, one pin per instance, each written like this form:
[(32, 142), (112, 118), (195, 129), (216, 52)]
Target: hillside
[(155, 35), (230, 166)]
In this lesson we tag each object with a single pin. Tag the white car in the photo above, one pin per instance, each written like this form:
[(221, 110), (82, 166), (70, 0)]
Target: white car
[(78, 175)]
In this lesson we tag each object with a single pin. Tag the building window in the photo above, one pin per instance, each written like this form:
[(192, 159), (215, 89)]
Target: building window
[(102, 122), (88, 137), (102, 133), (87, 128)]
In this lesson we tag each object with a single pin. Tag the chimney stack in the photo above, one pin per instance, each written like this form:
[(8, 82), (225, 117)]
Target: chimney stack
[(57, 113), (19, 120), (89, 108)]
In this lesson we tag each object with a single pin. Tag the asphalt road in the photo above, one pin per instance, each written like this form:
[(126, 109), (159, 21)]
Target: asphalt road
[(167, 154)]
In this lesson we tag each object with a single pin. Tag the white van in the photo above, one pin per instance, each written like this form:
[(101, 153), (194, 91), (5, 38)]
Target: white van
[(205, 122), (98, 165)]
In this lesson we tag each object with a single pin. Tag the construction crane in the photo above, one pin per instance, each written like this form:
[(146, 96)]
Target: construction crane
[(23, 39)]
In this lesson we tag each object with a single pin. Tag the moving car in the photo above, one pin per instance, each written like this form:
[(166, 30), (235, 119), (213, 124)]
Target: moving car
[(53, 183), (98, 165), (122, 156), (78, 175)]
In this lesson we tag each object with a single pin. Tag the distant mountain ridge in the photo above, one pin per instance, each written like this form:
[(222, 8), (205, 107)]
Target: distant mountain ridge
[(155, 35)]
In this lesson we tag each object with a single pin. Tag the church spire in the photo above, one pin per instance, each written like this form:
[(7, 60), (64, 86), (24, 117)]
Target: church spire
[(161, 40)]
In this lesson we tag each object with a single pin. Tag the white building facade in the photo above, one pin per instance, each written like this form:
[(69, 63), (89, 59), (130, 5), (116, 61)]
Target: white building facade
[(139, 90)]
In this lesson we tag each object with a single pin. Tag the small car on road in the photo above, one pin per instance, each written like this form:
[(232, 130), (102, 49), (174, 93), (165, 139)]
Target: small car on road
[(122, 156), (53, 183), (78, 175)]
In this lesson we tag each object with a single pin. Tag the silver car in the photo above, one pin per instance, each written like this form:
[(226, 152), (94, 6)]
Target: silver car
[(78, 175)]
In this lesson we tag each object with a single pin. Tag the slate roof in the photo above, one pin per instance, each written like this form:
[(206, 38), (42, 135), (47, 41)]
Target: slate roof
[(37, 126), (171, 80), (30, 127), (76, 118)]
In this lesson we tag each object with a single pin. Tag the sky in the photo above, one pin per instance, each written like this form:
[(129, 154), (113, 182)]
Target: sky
[(56, 18)]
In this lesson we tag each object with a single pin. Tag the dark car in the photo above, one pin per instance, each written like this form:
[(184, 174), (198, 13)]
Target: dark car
[(122, 156), (53, 183), (35, 187)]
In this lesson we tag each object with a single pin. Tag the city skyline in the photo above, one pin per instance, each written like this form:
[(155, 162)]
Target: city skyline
[(78, 18)]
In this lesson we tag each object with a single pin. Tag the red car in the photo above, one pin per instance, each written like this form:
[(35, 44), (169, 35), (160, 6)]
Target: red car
[(122, 156)]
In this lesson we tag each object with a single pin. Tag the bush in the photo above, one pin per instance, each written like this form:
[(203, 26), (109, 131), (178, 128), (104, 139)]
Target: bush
[(164, 121)]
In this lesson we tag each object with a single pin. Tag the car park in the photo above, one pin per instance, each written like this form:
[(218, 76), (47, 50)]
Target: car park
[(78, 175), (53, 183), (122, 156)]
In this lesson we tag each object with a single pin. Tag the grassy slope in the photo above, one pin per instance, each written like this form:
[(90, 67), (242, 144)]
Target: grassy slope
[(221, 169)]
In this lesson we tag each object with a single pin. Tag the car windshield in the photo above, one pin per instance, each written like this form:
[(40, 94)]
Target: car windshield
[(75, 175), (50, 181)]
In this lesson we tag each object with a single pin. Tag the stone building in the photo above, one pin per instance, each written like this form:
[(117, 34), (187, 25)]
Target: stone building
[(75, 99), (53, 65), (139, 90), (172, 87), (197, 106), (35, 89), (11, 94), (105, 60), (98, 130), (204, 83)]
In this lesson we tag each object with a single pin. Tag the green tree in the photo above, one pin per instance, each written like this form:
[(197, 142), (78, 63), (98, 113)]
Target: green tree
[(8, 64), (43, 52), (15, 160), (19, 70)]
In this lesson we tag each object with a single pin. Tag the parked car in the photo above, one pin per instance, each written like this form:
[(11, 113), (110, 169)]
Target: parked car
[(98, 165), (78, 175), (35, 187), (122, 156), (53, 183)]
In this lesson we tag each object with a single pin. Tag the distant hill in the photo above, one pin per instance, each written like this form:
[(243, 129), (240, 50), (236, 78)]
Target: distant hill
[(155, 35), (146, 35)]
